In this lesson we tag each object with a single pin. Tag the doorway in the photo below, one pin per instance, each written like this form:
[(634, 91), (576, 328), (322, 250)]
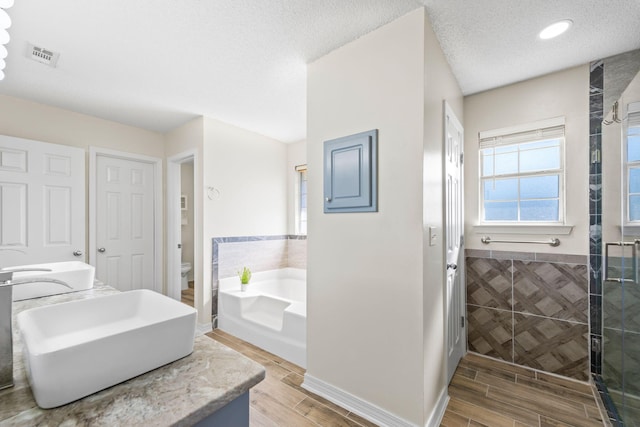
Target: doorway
[(125, 218), (187, 232), (182, 226)]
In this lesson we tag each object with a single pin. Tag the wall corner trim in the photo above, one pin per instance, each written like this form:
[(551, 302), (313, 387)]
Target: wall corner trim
[(365, 409), (438, 411)]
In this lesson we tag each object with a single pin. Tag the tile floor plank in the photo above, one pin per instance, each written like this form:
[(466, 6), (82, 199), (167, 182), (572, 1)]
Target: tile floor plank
[(538, 397), (322, 415), (479, 414), (272, 409), (453, 419), (567, 383), (294, 380), (506, 409), (558, 410), (284, 394), (556, 390), (363, 422), (257, 419)]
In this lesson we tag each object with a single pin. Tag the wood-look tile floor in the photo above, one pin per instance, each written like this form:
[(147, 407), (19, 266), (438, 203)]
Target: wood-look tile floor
[(483, 392), (279, 400), (187, 295), (486, 392)]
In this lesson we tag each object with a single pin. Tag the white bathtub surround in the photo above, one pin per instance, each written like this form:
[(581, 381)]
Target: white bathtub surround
[(78, 275), (260, 253), (271, 313)]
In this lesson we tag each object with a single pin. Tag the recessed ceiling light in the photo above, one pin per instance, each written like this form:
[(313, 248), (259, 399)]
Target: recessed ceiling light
[(555, 29)]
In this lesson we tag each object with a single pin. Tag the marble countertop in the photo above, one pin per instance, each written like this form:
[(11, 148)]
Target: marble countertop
[(181, 393)]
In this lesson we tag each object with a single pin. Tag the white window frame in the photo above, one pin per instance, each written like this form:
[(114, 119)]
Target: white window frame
[(299, 229), (553, 128), (632, 121)]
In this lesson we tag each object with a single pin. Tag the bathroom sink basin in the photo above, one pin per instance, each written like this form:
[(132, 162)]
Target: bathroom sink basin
[(78, 275), (77, 348)]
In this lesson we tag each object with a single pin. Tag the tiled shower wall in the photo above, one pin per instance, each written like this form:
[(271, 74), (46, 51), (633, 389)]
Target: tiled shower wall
[(531, 309), (596, 114), (259, 253)]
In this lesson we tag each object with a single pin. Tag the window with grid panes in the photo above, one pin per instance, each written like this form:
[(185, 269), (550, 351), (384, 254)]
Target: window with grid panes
[(522, 174), (301, 202), (632, 164)]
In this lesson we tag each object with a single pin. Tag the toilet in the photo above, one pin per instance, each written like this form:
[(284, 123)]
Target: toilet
[(185, 268)]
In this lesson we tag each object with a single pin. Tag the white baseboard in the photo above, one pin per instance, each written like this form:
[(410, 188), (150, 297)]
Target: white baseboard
[(365, 409), (368, 410), (438, 412)]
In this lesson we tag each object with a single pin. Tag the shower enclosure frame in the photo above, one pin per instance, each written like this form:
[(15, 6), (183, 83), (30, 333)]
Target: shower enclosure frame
[(600, 342)]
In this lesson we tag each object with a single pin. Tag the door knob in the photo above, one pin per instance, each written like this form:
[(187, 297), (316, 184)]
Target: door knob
[(101, 250), (452, 266), (77, 253)]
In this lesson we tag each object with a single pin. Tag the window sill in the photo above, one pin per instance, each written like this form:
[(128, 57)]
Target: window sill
[(523, 229), (630, 230)]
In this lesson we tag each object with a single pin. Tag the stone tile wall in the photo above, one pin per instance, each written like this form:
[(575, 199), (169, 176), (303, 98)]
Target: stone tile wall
[(526, 309), (259, 253), (596, 114)]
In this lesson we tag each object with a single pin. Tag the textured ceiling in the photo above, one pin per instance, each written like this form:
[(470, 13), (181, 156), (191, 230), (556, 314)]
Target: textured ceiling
[(156, 64), (491, 43)]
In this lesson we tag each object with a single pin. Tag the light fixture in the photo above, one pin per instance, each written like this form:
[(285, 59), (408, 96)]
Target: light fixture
[(5, 21), (555, 29)]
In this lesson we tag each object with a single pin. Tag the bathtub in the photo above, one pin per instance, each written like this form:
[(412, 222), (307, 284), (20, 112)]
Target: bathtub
[(271, 313)]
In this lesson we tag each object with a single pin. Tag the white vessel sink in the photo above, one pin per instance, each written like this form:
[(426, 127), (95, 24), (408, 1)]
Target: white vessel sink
[(78, 275), (77, 348)]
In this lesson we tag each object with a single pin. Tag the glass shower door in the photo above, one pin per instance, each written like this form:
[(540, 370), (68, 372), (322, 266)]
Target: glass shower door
[(621, 286)]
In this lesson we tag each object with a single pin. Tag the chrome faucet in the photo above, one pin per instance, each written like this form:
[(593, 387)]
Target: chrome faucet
[(6, 338)]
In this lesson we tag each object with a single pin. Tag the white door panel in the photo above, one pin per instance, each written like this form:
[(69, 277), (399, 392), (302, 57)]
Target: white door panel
[(125, 223), (42, 202), (454, 230)]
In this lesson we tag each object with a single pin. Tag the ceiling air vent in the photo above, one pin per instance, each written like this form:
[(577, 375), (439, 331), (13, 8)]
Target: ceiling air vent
[(42, 55)]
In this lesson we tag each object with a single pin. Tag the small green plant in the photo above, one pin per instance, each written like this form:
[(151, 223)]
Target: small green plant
[(244, 275)]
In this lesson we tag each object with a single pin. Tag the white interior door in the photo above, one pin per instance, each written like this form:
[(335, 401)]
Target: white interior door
[(454, 240), (125, 223), (42, 202)]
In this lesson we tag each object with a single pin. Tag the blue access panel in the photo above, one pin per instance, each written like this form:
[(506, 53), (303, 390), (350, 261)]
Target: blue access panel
[(350, 173)]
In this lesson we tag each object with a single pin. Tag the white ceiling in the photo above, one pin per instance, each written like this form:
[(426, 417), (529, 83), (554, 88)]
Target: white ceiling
[(156, 64)]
